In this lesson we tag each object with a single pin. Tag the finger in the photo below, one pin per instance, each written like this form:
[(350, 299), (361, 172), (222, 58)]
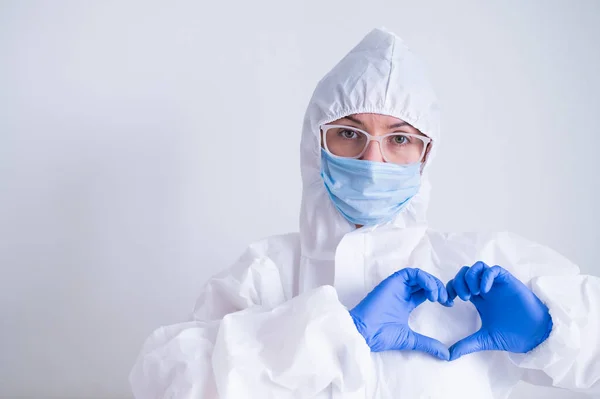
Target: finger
[(489, 276), (442, 293), (415, 289), (460, 285), (429, 345), (476, 342), (432, 294), (425, 281), (473, 277), (451, 291), (419, 297)]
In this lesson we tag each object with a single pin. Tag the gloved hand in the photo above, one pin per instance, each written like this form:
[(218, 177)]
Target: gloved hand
[(513, 318), (382, 316)]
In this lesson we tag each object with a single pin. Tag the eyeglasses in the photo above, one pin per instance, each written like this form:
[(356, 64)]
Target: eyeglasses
[(350, 142)]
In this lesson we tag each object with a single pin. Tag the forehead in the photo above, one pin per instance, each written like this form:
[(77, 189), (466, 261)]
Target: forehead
[(368, 119), (376, 123)]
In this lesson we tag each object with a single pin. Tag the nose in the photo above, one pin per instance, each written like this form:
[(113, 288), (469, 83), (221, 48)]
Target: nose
[(373, 153)]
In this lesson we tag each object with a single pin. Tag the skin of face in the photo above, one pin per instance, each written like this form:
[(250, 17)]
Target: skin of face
[(378, 125)]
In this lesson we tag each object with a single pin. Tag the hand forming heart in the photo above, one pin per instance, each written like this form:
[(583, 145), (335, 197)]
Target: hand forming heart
[(382, 316), (513, 318)]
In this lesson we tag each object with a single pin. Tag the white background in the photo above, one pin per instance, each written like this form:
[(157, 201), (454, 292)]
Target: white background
[(144, 145)]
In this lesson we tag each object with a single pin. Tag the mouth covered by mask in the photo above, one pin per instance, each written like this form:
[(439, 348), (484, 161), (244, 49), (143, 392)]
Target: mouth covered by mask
[(368, 192)]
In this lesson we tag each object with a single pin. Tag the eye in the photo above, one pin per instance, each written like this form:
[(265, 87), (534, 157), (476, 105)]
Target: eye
[(400, 139), (348, 134)]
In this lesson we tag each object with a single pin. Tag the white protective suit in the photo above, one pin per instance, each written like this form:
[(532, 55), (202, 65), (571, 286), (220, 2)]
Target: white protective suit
[(276, 324)]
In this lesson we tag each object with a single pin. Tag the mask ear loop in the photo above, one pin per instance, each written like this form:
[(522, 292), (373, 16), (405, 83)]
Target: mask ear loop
[(426, 155), (321, 147)]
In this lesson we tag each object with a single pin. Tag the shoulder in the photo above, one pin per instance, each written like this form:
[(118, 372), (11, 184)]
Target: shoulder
[(276, 246), (257, 278), (521, 256)]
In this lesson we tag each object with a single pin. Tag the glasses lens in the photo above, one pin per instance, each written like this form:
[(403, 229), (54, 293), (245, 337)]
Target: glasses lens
[(402, 149), (345, 142)]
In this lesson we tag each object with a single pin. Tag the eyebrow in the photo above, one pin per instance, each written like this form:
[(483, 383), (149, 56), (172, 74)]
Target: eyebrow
[(392, 126)]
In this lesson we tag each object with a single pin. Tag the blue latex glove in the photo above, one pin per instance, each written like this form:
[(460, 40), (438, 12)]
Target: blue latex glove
[(382, 316), (513, 318)]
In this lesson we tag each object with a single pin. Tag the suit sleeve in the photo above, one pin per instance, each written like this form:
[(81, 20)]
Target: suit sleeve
[(246, 340), (570, 357)]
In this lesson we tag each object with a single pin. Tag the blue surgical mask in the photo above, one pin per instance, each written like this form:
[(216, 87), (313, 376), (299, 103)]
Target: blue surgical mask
[(367, 192)]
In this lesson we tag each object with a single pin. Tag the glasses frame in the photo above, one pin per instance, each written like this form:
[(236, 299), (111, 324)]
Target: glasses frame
[(324, 128)]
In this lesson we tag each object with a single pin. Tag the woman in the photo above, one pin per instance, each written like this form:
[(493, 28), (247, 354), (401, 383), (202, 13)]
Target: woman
[(324, 313)]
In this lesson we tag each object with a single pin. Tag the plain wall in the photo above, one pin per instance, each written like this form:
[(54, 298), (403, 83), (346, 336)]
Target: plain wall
[(143, 145)]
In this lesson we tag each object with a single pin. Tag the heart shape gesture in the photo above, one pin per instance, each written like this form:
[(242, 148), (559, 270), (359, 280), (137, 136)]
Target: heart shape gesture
[(382, 316), (513, 318)]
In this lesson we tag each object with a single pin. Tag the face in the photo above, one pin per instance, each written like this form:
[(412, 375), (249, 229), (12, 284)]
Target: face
[(398, 148)]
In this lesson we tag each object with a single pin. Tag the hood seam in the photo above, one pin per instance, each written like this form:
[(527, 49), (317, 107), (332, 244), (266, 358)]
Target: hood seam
[(389, 78)]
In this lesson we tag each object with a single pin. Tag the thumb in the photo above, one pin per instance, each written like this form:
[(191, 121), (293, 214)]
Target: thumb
[(428, 345), (477, 342)]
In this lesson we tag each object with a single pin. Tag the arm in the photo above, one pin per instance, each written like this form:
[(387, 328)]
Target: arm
[(247, 340), (570, 357)]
